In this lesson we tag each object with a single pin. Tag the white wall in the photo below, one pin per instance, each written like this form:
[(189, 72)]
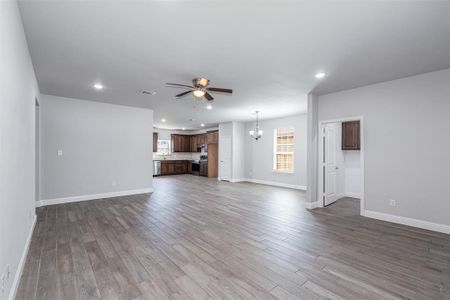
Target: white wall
[(236, 131), (18, 90), (312, 151), (407, 145), (101, 143), (352, 162), (259, 154), (238, 150)]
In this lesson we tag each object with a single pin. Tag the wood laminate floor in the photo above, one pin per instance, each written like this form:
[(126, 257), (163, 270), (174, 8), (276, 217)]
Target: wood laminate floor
[(196, 238)]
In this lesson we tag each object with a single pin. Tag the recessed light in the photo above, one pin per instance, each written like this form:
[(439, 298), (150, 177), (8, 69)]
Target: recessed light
[(98, 86), (209, 107), (183, 128), (163, 120), (320, 75), (203, 125)]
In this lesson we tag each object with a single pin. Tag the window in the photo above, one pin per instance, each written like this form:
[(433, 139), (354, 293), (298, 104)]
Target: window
[(283, 158), (163, 147)]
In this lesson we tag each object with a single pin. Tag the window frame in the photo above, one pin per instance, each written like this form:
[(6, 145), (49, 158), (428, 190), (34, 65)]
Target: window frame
[(168, 148), (275, 152)]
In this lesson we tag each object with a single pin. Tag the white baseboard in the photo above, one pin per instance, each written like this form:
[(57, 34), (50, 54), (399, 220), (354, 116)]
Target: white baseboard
[(408, 221), (238, 180), (46, 202), (352, 195), (274, 183), (23, 258), (311, 205)]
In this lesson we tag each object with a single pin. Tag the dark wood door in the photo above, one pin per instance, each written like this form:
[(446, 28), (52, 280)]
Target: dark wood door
[(180, 167), (186, 143), (203, 168), (181, 143), (212, 137), (201, 139), (213, 161), (351, 135), (166, 168), (155, 142), (194, 141)]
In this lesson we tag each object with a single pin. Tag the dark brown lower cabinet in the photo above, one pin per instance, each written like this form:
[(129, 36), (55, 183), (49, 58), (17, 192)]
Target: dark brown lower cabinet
[(203, 168), (174, 167)]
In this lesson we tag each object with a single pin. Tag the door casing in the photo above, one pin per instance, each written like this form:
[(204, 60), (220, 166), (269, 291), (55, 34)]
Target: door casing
[(320, 134)]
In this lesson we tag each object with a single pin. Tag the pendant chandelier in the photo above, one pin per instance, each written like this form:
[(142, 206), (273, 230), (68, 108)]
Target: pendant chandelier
[(256, 134)]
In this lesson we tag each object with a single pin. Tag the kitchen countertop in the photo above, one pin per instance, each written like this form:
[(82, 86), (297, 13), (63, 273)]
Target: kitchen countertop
[(172, 159)]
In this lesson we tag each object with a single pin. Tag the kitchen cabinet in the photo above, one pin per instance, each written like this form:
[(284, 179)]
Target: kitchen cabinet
[(155, 142), (193, 143), (196, 141), (167, 168), (174, 167), (181, 143), (212, 137), (351, 135), (213, 160), (203, 168)]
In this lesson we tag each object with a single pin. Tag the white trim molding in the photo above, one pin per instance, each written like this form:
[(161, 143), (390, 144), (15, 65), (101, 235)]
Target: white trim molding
[(352, 195), (23, 258), (311, 205), (237, 180), (274, 183), (408, 221), (46, 202), (320, 154)]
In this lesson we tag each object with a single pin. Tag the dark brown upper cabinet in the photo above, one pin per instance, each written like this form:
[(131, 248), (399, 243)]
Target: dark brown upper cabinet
[(212, 137), (351, 135), (155, 142), (196, 141), (181, 143)]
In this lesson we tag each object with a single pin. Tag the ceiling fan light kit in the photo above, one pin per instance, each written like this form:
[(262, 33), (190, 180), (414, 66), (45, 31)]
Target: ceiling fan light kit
[(199, 89), (257, 133)]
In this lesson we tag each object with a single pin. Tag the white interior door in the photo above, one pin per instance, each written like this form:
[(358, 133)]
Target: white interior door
[(225, 157), (330, 167)]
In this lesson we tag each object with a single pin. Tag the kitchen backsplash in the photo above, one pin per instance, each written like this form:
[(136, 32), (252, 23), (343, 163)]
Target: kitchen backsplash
[(178, 155)]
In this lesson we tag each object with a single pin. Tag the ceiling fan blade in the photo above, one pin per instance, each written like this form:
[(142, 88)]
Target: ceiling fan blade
[(182, 94), (208, 96), (178, 85), (220, 90)]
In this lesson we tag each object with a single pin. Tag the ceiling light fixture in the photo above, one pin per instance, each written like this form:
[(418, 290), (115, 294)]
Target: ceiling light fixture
[(209, 107), (98, 86), (256, 134), (198, 93), (203, 125), (320, 75), (183, 128), (163, 120)]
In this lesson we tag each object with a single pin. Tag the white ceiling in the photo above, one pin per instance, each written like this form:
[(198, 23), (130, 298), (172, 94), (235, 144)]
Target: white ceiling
[(266, 51)]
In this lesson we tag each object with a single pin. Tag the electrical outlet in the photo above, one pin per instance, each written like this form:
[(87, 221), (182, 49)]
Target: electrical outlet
[(113, 183), (59, 152), (392, 202)]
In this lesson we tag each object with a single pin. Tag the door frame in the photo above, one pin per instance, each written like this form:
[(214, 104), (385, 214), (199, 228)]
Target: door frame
[(320, 134)]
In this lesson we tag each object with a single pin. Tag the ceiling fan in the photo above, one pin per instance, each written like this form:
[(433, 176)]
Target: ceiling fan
[(199, 88)]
